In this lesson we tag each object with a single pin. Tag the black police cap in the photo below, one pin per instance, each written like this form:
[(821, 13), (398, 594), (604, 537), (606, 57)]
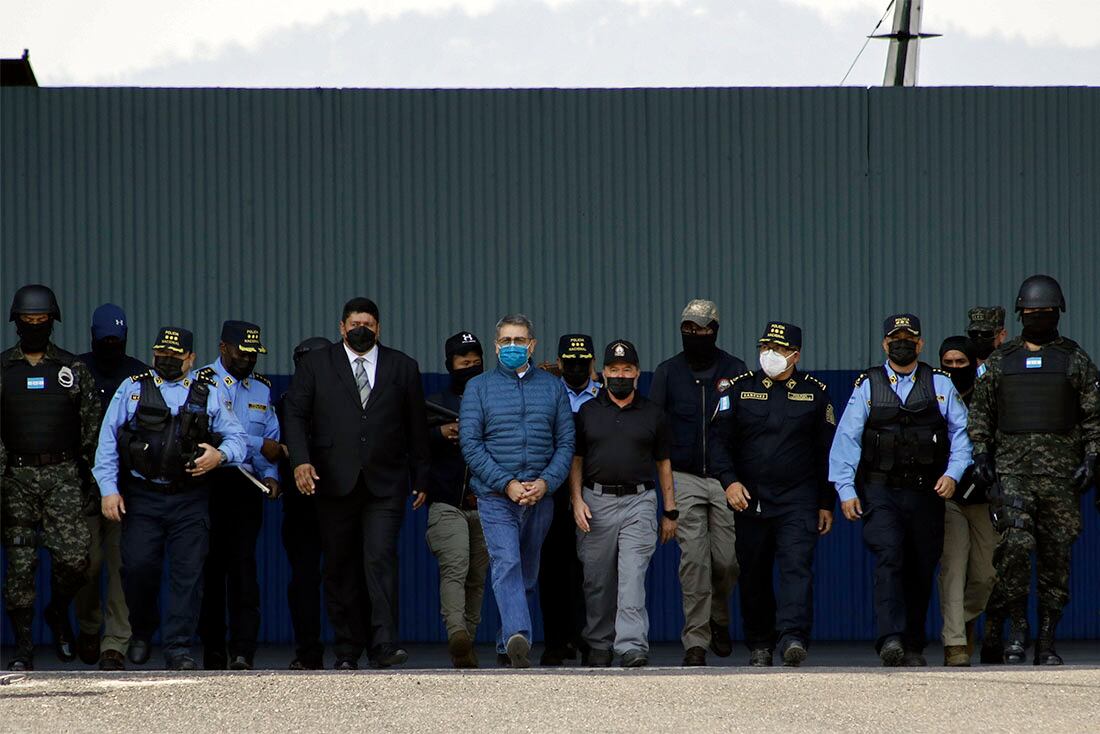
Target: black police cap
[(576, 346), (620, 350), (174, 339), (783, 334), (901, 322), (244, 335)]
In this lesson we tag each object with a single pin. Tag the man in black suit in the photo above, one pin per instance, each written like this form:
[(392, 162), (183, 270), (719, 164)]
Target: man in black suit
[(356, 427)]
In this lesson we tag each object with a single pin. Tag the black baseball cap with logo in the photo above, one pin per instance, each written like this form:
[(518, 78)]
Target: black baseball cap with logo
[(620, 350), (576, 346), (901, 322), (783, 334), (174, 339), (463, 342)]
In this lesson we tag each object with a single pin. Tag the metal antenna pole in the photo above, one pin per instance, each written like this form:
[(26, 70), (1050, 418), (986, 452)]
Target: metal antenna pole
[(902, 60)]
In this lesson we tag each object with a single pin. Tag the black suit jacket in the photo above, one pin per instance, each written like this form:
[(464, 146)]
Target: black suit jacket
[(325, 425)]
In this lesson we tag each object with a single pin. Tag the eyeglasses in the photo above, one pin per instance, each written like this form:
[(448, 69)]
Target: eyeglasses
[(519, 341)]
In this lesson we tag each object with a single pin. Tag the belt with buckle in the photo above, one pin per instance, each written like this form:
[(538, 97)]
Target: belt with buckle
[(40, 459), (621, 490)]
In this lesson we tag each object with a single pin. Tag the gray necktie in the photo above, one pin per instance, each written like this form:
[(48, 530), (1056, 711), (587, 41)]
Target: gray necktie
[(362, 381)]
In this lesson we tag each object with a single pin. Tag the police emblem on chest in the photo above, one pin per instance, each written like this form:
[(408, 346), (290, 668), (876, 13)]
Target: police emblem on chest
[(65, 377)]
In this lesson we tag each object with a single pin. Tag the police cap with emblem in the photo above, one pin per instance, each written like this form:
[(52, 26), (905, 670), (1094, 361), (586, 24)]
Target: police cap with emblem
[(986, 318), (901, 322), (174, 339), (244, 336), (620, 350), (576, 346), (463, 342), (783, 334)]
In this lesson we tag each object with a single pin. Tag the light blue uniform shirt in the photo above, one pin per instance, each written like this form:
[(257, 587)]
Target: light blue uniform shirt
[(123, 407), (250, 401), (586, 393), (847, 444)]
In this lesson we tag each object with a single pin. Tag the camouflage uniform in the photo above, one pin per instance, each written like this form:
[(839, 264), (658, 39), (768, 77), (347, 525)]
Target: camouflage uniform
[(49, 499), (1040, 510)]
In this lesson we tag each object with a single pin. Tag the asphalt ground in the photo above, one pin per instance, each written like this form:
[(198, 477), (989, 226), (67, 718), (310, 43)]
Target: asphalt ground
[(840, 688)]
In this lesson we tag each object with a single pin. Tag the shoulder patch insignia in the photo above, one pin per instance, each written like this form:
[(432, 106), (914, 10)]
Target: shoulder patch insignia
[(743, 376), (207, 375), (723, 384), (228, 381), (817, 382), (860, 380), (140, 376), (830, 414), (941, 373), (262, 378), (135, 396)]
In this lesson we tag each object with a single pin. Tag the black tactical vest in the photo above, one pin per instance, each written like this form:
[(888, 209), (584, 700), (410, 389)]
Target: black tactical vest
[(159, 445), (904, 438), (1035, 394), (40, 406)]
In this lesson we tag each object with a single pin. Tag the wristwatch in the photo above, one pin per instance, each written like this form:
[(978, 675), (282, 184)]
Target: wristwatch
[(672, 514), (225, 457)]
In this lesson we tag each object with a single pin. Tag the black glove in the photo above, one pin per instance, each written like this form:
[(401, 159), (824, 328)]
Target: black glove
[(1083, 477), (984, 470)]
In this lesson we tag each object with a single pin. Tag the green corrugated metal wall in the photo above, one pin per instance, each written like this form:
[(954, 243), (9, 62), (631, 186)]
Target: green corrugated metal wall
[(602, 210)]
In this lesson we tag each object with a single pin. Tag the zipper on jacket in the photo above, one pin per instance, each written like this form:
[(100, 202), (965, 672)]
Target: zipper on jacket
[(703, 389)]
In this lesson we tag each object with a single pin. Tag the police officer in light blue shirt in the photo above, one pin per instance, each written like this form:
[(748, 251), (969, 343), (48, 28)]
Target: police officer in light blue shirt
[(561, 594), (230, 584), (900, 448), (156, 449)]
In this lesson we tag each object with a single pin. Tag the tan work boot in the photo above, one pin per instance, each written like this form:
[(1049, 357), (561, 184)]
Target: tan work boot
[(956, 656)]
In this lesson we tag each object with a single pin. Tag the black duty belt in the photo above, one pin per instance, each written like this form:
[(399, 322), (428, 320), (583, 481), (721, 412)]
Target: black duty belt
[(175, 487), (621, 490), (916, 481), (40, 459)]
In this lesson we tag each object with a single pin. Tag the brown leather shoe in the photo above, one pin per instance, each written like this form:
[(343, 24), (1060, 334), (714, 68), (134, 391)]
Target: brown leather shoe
[(695, 657), (956, 656), (461, 648), (112, 660)]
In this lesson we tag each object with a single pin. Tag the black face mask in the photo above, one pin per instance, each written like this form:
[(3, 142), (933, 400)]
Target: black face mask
[(170, 368), (963, 377), (701, 350), (361, 339), (1040, 327), (982, 346), (33, 338), (240, 367), (459, 378), (620, 387), (109, 353), (576, 372), (902, 352)]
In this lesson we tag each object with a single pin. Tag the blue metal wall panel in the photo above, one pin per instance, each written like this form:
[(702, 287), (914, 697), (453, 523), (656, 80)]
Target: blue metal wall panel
[(602, 210)]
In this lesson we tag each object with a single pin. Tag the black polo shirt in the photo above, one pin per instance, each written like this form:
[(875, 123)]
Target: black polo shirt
[(621, 445)]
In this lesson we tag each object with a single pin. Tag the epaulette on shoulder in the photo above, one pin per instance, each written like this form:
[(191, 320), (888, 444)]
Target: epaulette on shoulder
[(817, 382), (941, 373), (207, 375), (750, 373), (860, 380), (261, 378), (146, 375)]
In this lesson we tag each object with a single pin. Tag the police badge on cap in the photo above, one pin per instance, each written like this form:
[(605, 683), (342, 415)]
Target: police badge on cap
[(620, 350), (174, 339), (901, 322)]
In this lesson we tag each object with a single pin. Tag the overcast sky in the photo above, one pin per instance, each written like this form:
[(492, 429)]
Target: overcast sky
[(524, 43)]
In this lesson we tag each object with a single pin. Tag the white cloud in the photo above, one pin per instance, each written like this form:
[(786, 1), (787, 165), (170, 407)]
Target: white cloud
[(1072, 23)]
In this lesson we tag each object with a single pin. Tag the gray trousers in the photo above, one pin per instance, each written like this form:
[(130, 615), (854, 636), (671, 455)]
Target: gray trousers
[(708, 557), (615, 555), (105, 548), (455, 537)]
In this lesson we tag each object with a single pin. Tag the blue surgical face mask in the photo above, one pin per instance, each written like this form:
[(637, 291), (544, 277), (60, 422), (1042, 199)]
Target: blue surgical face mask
[(513, 356)]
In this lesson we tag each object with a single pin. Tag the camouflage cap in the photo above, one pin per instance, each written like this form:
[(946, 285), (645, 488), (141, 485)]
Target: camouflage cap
[(700, 312), (986, 318)]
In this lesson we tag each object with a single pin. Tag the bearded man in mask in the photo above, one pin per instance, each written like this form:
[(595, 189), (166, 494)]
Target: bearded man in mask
[(1035, 424), (230, 586), (357, 432), (165, 430), (50, 415), (966, 566), (685, 387), (770, 437), (454, 528), (561, 594), (110, 365), (900, 449)]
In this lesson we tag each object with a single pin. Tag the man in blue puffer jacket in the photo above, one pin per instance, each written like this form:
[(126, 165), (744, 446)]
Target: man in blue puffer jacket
[(516, 434)]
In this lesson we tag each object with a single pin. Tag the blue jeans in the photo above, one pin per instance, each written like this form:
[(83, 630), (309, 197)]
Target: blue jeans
[(514, 536)]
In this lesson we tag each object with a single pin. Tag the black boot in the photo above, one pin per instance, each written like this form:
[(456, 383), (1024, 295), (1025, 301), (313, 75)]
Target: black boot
[(1018, 634), (56, 615), (993, 646), (1044, 642), (23, 656)]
